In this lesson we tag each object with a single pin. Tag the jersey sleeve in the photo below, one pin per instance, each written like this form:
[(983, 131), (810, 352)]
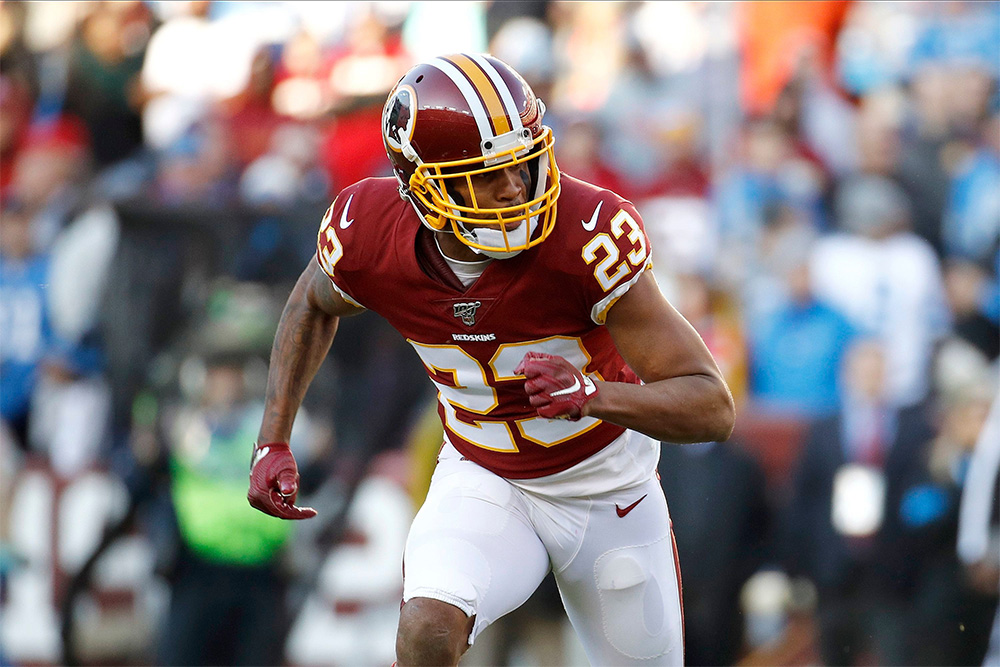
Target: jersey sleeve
[(334, 242), (617, 253)]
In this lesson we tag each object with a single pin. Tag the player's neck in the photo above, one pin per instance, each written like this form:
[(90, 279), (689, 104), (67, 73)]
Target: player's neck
[(455, 250)]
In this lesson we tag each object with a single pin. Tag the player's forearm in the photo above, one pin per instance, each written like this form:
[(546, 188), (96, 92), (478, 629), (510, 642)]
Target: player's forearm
[(302, 341), (691, 408)]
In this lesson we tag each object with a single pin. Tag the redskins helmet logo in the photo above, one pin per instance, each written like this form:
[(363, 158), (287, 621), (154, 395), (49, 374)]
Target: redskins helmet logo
[(398, 116)]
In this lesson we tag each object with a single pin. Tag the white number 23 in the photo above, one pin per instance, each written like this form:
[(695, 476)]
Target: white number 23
[(609, 271)]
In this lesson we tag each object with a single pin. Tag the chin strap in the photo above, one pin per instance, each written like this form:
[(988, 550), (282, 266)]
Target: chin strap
[(473, 237), (494, 237)]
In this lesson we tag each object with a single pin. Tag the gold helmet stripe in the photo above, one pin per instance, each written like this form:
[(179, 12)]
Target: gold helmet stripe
[(486, 90), (508, 100), (476, 105)]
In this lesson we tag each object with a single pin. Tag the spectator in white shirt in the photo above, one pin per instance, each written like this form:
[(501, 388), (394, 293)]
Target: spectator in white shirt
[(886, 279)]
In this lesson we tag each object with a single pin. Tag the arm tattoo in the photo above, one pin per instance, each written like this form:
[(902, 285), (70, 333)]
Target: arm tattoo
[(305, 333)]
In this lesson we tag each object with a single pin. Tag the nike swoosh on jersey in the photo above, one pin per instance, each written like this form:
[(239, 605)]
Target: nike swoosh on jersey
[(590, 226), (622, 511), (344, 222)]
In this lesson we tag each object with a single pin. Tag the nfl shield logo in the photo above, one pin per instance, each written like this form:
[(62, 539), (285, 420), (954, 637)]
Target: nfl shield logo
[(467, 311)]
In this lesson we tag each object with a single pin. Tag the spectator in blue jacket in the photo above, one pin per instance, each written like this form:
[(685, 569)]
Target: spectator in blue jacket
[(25, 332), (797, 345)]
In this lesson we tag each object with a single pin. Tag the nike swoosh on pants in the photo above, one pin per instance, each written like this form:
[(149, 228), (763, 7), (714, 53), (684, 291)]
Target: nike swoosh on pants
[(622, 511)]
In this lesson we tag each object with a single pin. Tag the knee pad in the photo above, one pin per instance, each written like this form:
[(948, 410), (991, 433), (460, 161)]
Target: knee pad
[(640, 599)]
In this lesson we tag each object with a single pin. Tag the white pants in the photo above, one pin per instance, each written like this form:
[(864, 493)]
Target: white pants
[(483, 544)]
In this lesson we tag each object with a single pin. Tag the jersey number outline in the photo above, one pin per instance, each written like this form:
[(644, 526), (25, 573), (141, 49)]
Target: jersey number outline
[(332, 250), (469, 386), (636, 257)]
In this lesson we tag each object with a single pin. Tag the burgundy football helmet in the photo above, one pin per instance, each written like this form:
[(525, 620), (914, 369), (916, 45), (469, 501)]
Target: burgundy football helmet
[(461, 115)]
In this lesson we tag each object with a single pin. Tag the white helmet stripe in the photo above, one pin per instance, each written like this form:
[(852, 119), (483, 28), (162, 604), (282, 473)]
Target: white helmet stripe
[(512, 111), (470, 94)]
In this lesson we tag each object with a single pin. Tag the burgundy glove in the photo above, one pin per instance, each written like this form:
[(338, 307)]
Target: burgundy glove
[(555, 387), (274, 482)]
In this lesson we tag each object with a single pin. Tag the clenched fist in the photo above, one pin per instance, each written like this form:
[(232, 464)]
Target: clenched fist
[(555, 387), (274, 482)]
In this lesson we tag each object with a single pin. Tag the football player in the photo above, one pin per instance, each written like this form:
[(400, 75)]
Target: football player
[(560, 367)]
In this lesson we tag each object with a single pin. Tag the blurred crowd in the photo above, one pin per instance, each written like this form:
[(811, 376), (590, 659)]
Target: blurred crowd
[(821, 185)]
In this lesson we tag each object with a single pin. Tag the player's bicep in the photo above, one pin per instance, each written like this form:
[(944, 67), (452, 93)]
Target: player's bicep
[(321, 294), (653, 338)]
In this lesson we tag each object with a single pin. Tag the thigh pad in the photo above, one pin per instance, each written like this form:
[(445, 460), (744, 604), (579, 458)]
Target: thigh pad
[(638, 599)]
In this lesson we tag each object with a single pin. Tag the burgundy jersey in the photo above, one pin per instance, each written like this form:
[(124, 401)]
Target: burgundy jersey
[(552, 298)]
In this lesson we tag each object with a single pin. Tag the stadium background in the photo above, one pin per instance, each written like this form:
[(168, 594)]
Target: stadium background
[(821, 182)]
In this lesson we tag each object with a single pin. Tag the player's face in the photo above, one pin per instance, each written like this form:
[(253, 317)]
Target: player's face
[(497, 189)]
